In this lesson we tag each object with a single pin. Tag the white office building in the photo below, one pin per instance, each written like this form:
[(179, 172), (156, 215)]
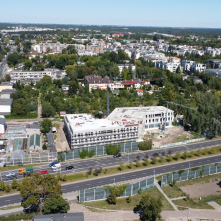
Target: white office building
[(123, 124)]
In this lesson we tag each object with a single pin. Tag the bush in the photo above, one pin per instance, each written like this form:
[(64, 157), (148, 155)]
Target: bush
[(147, 162), (111, 199), (113, 149), (85, 153), (154, 160), (129, 199), (145, 145), (61, 177), (121, 166), (139, 192), (130, 164), (137, 163), (185, 155), (118, 190), (7, 188), (169, 158), (177, 156)]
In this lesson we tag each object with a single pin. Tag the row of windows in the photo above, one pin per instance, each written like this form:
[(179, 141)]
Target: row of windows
[(158, 115), (158, 120)]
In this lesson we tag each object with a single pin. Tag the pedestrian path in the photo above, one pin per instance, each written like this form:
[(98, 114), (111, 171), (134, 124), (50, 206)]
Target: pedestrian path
[(178, 198), (215, 205), (168, 199)]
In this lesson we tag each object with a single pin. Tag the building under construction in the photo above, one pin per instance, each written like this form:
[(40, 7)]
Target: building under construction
[(123, 124)]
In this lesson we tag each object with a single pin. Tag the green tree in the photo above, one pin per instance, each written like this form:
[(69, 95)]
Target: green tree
[(37, 189), (150, 208), (7, 77), (46, 80), (7, 188), (2, 186), (69, 68), (12, 59), (71, 49), (185, 155), (28, 64), (47, 110), (113, 149), (56, 204), (46, 124), (177, 156), (14, 184), (44, 147)]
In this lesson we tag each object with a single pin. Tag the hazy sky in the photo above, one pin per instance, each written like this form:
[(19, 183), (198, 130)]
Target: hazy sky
[(170, 13)]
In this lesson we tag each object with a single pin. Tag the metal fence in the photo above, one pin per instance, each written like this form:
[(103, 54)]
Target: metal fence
[(98, 151), (100, 193), (179, 143), (192, 173)]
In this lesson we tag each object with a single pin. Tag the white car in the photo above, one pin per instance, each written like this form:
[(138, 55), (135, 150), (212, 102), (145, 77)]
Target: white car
[(10, 174), (56, 166)]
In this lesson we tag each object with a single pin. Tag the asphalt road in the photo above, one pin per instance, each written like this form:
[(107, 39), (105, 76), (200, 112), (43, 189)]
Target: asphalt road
[(16, 198), (2, 66), (109, 161)]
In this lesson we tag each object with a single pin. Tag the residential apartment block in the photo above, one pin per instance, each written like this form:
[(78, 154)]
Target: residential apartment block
[(123, 124), (36, 75)]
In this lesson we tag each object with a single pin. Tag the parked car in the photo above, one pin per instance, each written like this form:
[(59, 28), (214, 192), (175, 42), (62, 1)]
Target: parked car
[(117, 155), (10, 174), (43, 172), (69, 167)]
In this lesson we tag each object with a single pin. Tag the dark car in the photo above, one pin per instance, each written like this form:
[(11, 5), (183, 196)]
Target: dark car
[(11, 177), (117, 155), (27, 173), (69, 167)]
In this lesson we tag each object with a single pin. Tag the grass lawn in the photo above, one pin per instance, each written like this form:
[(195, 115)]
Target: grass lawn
[(28, 116), (10, 207), (123, 205), (218, 201), (181, 138), (172, 192), (193, 203)]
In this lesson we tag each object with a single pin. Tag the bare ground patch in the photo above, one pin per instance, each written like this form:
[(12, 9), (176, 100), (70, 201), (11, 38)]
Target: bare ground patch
[(202, 189), (171, 135)]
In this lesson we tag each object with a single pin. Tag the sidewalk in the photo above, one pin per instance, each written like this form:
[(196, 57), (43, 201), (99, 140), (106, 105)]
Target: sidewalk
[(168, 199)]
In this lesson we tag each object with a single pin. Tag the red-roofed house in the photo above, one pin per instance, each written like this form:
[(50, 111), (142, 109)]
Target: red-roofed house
[(62, 114), (139, 92)]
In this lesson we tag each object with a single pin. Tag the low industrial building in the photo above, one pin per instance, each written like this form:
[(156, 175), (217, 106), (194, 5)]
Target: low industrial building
[(6, 93), (2, 125), (5, 106), (6, 85), (123, 124)]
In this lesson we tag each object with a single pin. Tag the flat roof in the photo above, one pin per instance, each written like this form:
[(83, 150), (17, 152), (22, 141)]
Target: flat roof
[(86, 123), (135, 113), (6, 101)]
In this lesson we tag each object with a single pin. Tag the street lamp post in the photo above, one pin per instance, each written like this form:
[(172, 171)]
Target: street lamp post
[(128, 156)]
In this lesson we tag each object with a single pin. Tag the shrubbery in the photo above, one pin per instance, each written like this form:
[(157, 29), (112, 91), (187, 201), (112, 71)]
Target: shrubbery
[(113, 149), (85, 153), (145, 145)]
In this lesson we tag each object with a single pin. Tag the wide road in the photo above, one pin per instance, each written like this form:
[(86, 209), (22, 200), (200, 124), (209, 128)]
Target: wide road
[(108, 161), (128, 176)]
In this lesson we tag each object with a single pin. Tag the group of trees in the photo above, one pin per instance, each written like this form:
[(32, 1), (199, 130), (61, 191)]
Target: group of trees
[(43, 193)]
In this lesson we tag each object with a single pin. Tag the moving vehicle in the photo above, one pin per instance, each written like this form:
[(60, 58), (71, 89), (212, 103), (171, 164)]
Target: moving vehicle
[(10, 174), (117, 155), (27, 173), (53, 163), (69, 167), (43, 171), (56, 167), (25, 170), (11, 177)]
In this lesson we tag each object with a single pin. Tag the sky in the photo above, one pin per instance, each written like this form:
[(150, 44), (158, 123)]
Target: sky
[(163, 13)]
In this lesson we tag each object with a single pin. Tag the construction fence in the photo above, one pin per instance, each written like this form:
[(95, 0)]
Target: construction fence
[(98, 151), (192, 173), (20, 157), (102, 193), (179, 143)]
